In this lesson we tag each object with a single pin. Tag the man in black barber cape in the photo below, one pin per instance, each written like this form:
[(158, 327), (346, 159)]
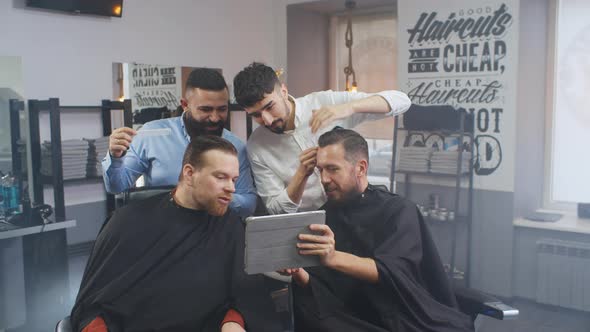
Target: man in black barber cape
[(380, 270)]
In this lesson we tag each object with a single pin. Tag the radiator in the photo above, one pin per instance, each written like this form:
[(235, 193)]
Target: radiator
[(563, 273)]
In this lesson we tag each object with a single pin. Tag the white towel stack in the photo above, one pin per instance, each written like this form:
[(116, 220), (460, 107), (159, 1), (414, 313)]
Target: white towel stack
[(414, 159), (445, 162), (97, 149), (74, 158)]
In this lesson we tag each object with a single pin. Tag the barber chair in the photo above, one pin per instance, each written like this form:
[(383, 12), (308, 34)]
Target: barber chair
[(136, 194), (473, 303), (64, 325), (140, 193)]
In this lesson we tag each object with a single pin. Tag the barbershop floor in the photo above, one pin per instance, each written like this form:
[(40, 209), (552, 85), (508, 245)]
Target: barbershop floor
[(533, 317)]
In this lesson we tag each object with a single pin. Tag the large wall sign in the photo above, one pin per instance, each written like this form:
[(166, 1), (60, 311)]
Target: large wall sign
[(464, 53)]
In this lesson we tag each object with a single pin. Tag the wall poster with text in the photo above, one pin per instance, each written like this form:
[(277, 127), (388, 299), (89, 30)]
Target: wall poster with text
[(464, 54)]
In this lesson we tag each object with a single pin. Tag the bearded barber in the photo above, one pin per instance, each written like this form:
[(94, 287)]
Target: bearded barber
[(158, 156)]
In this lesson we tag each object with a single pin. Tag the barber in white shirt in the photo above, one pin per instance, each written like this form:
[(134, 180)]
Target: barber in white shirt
[(282, 150)]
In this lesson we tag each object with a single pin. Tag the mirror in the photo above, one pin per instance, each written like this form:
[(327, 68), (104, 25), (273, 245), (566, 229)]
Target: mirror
[(155, 92), (11, 87)]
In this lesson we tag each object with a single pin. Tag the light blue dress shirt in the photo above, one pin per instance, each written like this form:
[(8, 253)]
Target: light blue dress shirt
[(159, 159)]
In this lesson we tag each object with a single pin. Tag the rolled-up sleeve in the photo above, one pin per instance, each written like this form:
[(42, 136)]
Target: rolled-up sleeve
[(120, 174), (397, 100), (398, 103)]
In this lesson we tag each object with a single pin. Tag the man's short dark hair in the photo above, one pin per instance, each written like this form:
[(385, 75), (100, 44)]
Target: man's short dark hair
[(200, 144), (355, 145), (253, 82), (206, 79)]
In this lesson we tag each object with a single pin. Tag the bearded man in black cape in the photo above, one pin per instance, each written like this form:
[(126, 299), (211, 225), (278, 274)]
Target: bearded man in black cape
[(174, 262), (380, 270)]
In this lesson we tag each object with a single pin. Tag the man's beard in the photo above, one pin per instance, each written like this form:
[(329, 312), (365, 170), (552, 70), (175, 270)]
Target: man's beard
[(217, 210), (345, 197), (195, 128), (279, 129), (278, 126), (214, 208)]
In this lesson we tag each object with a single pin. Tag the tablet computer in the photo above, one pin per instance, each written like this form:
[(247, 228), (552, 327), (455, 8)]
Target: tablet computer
[(271, 241)]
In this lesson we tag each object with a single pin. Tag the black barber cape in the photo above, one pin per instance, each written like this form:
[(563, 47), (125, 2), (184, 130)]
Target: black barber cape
[(413, 292), (157, 266)]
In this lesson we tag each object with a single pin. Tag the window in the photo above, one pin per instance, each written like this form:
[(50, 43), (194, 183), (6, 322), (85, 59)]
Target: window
[(374, 61), (567, 178), (373, 51)]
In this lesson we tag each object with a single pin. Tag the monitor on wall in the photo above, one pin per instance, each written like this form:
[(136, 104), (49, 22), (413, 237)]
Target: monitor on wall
[(91, 7)]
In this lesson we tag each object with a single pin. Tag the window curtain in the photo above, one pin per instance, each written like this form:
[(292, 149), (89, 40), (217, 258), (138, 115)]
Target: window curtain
[(374, 60)]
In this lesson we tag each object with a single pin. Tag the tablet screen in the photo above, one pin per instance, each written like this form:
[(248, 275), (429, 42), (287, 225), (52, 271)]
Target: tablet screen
[(271, 241)]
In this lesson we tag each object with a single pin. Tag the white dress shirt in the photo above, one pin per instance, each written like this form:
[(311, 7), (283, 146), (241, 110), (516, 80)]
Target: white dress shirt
[(275, 157)]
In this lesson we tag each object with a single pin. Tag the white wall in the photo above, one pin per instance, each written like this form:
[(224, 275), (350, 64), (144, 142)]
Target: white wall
[(70, 57), (11, 83)]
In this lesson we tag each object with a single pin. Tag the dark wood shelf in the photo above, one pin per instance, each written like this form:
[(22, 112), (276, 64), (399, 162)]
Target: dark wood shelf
[(47, 180), (432, 174), (462, 181), (439, 131), (80, 108)]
